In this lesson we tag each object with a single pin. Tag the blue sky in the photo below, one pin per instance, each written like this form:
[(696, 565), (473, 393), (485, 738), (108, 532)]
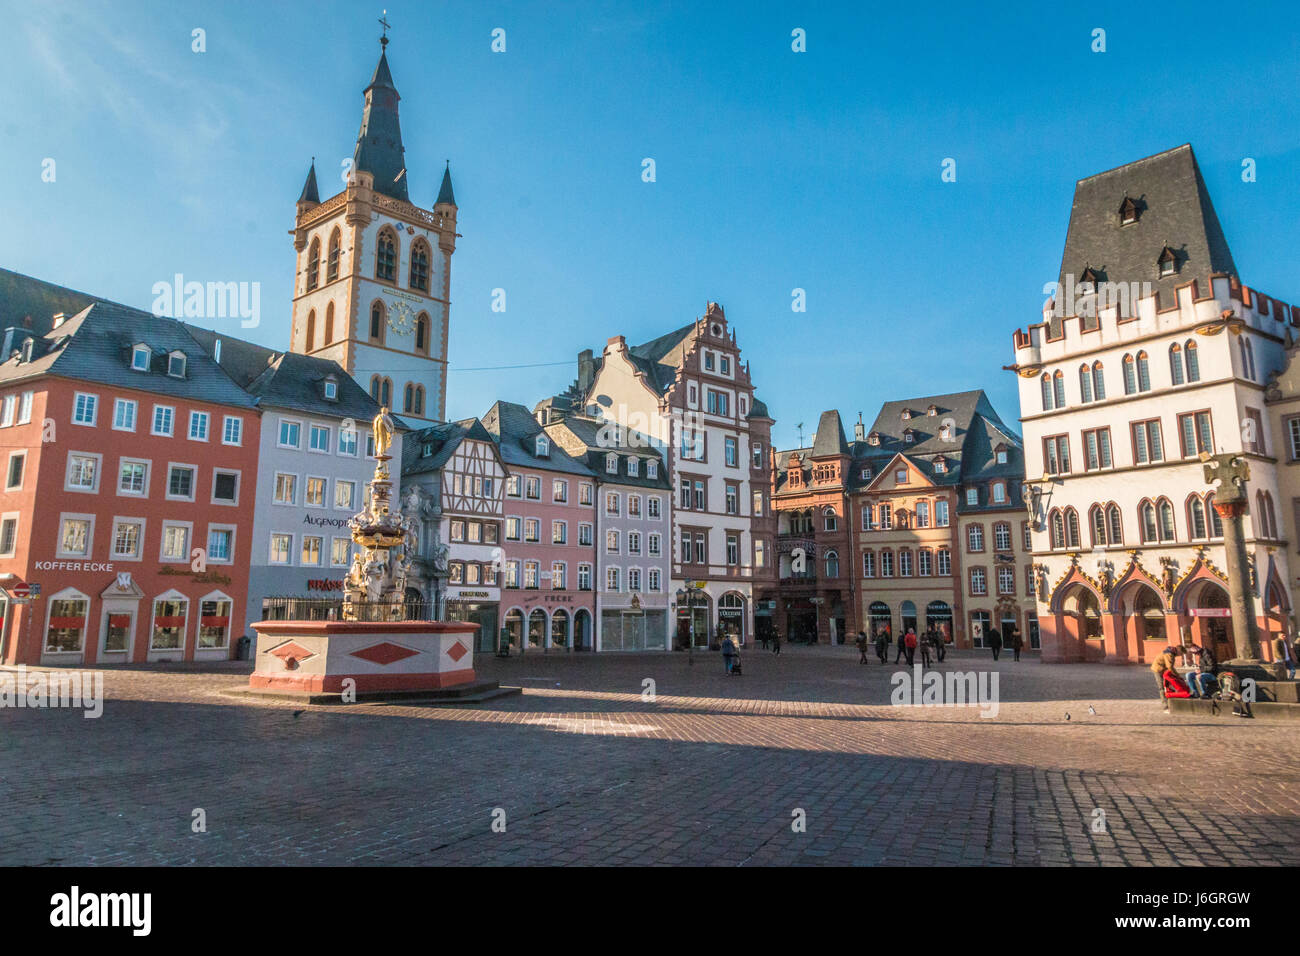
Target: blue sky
[(775, 170)]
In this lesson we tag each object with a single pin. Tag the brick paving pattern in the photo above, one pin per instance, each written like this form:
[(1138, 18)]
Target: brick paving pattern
[(709, 772)]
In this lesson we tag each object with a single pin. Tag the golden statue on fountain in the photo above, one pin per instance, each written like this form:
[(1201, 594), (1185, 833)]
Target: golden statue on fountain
[(375, 589)]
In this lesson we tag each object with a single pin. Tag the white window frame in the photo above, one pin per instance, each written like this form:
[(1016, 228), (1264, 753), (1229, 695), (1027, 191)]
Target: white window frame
[(16, 517), (121, 403), (90, 536), (275, 481), (279, 433), (312, 428), (194, 485), (148, 468), (270, 549), (171, 421), (238, 422), (9, 467), (99, 472), (112, 540), (195, 418), (238, 482), (94, 408), (189, 542)]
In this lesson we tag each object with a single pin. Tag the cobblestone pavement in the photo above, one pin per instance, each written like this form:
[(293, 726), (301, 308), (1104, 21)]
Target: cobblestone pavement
[(714, 770)]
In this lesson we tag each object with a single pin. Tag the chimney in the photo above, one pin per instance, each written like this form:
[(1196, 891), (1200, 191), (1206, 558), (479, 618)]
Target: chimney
[(58, 319), (216, 351), (859, 430), (586, 369)]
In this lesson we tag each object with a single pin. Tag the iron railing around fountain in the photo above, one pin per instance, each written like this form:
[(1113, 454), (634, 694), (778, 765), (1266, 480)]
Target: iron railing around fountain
[(291, 608)]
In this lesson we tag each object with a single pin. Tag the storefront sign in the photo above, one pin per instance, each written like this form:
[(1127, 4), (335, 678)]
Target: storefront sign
[(1211, 612), (464, 595), (325, 522), (74, 566), (557, 598), (324, 584)]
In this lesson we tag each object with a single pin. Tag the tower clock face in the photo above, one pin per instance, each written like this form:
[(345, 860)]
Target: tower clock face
[(400, 317)]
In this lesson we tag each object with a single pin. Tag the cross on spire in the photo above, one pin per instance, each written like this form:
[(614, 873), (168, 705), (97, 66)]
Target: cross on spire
[(383, 20)]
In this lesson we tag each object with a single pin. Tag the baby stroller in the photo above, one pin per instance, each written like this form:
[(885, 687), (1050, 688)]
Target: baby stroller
[(1230, 689), (735, 664)]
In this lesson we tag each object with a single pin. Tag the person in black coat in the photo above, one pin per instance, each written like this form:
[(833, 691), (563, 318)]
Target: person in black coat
[(882, 646), (994, 641)]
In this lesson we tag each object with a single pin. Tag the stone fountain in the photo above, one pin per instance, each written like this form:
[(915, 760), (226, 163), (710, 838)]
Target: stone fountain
[(370, 649)]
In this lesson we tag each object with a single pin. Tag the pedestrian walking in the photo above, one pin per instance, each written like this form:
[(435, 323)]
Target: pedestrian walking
[(924, 642), (1015, 640), (728, 652), (941, 643), (776, 642), (902, 648), (862, 647), (994, 640), (909, 640), (882, 646)]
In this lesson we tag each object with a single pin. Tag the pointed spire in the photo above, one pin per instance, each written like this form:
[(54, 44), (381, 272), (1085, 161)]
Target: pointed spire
[(309, 191), (379, 142), (445, 195)]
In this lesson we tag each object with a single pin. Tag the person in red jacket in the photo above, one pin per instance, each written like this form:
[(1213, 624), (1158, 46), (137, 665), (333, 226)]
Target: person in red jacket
[(909, 641)]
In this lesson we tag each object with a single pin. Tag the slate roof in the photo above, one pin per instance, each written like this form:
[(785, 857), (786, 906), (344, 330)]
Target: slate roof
[(290, 380), (830, 439), (515, 431), (309, 191), (660, 358), (977, 429), (443, 440), (22, 296), (379, 148), (95, 345), (590, 433), (1174, 209), (445, 192)]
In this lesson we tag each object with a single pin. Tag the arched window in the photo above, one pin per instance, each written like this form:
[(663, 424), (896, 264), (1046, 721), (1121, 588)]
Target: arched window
[(1130, 376), (311, 330), (408, 398), (1058, 388), (1196, 525), (419, 399), (1097, 526), (329, 323), (422, 333), (1056, 530), (386, 255), (1085, 384), (832, 564), (1115, 524), (1250, 358), (374, 387), (1176, 364), (1046, 383), (1098, 382), (419, 277), (830, 520), (1216, 523), (1144, 373), (1193, 364), (1147, 522), (313, 265), (335, 251), (1071, 528), (1167, 530), (377, 322)]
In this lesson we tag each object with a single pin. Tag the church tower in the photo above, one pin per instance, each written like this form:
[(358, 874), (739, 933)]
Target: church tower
[(372, 289)]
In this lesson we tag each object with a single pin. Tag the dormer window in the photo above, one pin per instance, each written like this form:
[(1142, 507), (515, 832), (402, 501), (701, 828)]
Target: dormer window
[(632, 467), (331, 389), (176, 364), (945, 432), (908, 435), (140, 356), (427, 450), (611, 464), (931, 411), (1128, 212), (708, 361), (1089, 277), (28, 345), (907, 413), (543, 446), (1001, 453), (866, 474), (1168, 261), (940, 466), (652, 469), (873, 438)]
